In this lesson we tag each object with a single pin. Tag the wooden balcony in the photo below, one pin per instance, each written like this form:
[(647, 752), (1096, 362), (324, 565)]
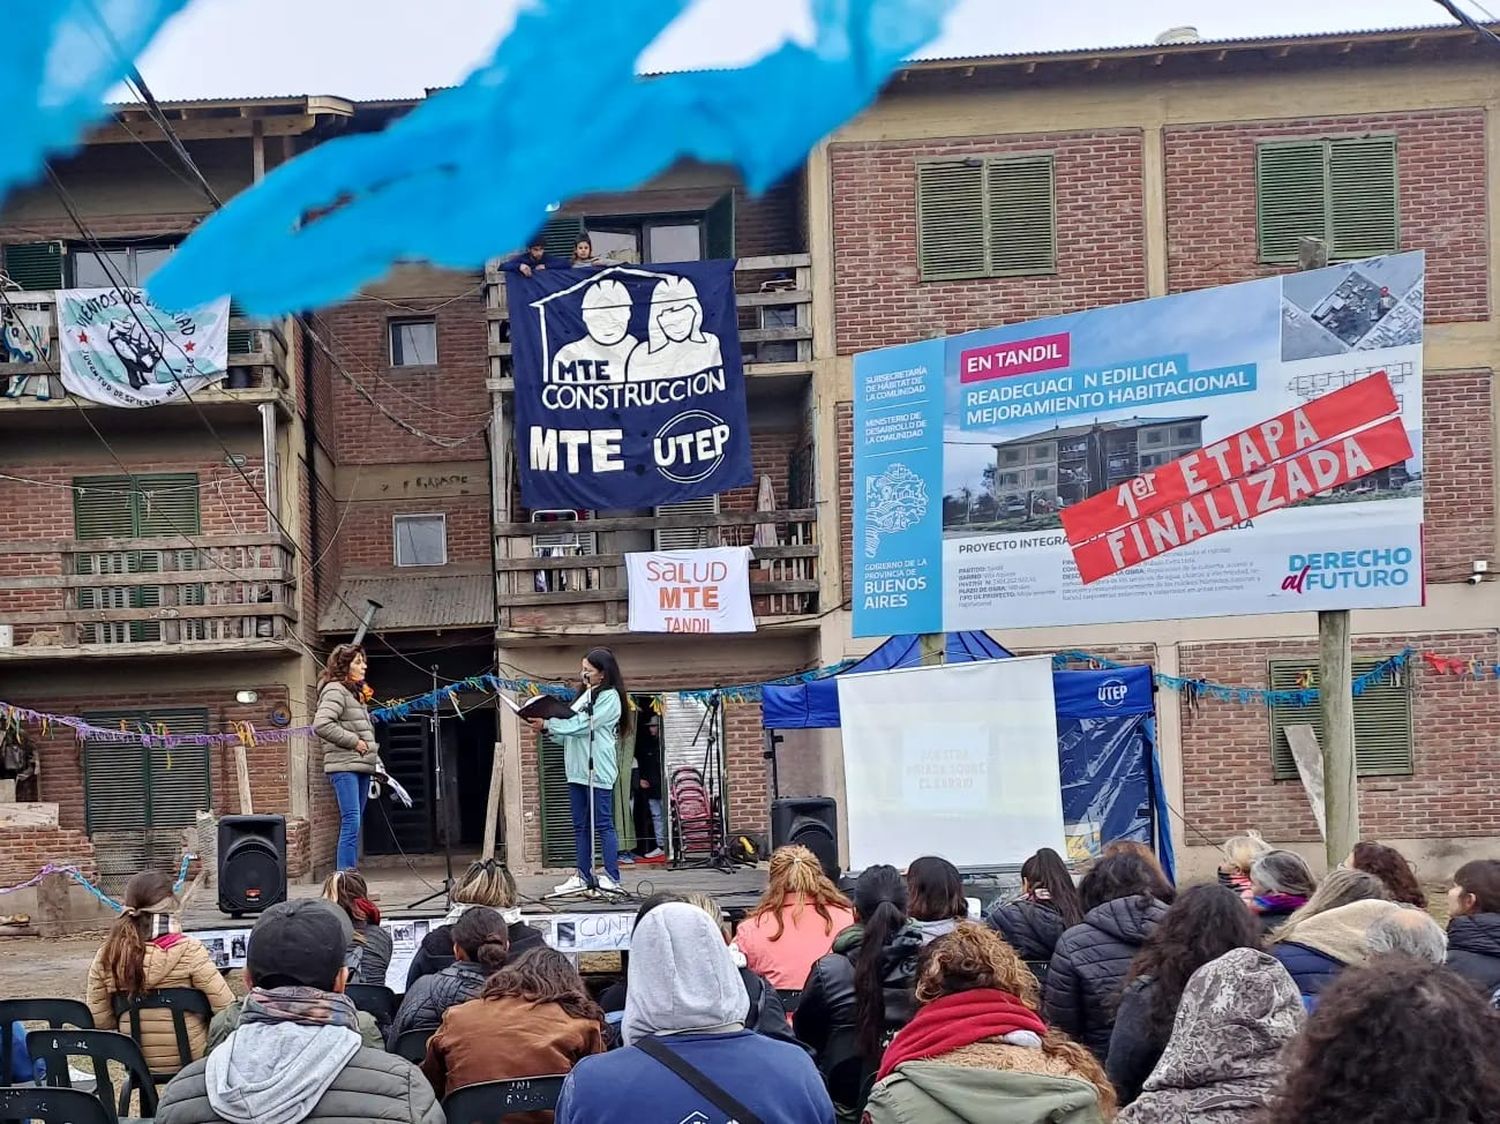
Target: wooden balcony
[(555, 579), (146, 596), (774, 296), (257, 367)]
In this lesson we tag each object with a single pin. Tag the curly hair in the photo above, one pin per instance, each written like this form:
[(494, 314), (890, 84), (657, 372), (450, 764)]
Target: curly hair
[(797, 878), (544, 975), (1391, 1041), (336, 670), (975, 956), (1390, 866), (1202, 925)]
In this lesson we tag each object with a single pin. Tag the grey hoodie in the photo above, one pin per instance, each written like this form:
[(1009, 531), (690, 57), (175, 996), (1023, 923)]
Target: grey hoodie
[(681, 976), (275, 1073)]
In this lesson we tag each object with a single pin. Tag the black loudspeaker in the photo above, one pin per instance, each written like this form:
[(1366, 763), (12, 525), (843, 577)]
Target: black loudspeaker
[(811, 822), (252, 863)]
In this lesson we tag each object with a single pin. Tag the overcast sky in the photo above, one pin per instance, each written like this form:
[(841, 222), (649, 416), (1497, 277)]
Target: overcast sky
[(396, 48)]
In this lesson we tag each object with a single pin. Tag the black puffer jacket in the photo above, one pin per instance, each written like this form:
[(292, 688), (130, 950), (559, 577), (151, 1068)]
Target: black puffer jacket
[(1474, 949), (436, 951), (431, 996), (1089, 967), (824, 1018), (1032, 929)]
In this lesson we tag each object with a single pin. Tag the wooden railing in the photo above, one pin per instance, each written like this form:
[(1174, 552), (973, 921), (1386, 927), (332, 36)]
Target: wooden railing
[(100, 596), (774, 297), (561, 577), (257, 361)]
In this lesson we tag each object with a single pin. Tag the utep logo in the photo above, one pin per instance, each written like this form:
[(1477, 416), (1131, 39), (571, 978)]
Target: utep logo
[(1112, 692), (610, 369)]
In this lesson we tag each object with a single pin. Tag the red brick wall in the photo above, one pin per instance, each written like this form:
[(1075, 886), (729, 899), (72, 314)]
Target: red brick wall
[(771, 454), (772, 223), (1458, 472), (1226, 748), (1100, 238), (1441, 171), (448, 402), (25, 850), (367, 541), (44, 511)]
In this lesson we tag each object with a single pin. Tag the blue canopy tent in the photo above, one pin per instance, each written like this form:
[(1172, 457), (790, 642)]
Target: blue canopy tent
[(1106, 738)]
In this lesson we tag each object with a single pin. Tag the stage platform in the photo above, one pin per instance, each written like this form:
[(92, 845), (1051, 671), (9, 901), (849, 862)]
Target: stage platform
[(576, 924)]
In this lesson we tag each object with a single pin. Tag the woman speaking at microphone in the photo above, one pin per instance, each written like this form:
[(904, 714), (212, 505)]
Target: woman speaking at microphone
[(601, 715)]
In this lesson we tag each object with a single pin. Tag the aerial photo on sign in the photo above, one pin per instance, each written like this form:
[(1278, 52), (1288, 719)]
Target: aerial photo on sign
[(1252, 448)]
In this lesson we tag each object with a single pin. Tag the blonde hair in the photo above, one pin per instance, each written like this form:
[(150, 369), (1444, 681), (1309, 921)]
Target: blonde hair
[(974, 956), (346, 889), (486, 882), (706, 903), (796, 872), (1241, 851)]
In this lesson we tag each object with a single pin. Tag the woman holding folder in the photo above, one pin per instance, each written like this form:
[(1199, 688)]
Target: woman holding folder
[(601, 714)]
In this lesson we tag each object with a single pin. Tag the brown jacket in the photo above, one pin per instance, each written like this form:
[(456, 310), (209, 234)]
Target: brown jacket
[(185, 964), (501, 1039), (341, 722)]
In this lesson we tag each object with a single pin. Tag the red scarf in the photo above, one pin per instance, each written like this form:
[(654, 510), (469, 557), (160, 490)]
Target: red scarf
[(956, 1021)]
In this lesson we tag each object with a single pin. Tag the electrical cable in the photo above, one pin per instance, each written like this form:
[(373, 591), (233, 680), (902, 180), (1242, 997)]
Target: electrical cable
[(1467, 20)]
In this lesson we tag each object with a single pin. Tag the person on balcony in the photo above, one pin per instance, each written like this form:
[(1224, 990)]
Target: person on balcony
[(344, 730), (532, 260)]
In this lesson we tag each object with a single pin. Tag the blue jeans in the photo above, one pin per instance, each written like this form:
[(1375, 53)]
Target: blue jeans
[(351, 790), (604, 824), (657, 831)]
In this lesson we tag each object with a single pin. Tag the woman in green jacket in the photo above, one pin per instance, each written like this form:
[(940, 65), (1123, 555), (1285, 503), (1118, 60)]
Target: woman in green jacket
[(601, 716)]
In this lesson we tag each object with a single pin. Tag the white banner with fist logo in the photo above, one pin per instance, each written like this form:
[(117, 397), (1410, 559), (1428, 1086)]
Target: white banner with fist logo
[(119, 348)]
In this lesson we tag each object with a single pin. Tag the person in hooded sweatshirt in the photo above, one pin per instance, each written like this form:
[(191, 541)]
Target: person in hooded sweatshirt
[(861, 993), (297, 1055), (1226, 1054), (1319, 947), (686, 998), (1474, 928), (1088, 969), (481, 947), (145, 952), (488, 883), (1047, 908), (935, 891), (977, 1052)]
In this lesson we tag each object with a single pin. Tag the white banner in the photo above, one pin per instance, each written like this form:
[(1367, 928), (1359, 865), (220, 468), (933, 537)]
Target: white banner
[(691, 590), (117, 347), (958, 760)]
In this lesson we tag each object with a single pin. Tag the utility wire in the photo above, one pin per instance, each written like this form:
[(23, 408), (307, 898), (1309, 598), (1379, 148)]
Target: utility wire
[(1467, 20)]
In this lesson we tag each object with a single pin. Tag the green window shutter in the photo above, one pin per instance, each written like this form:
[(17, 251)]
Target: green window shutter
[(167, 504), (561, 234), (1382, 722), (718, 228), (239, 338), (102, 507), (1022, 216), (1291, 197), (557, 816), (1363, 197), (35, 265), (950, 220)]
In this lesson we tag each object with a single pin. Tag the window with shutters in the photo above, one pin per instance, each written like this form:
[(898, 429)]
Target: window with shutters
[(986, 217), (1342, 191), (35, 266), (151, 505), (138, 798), (1382, 721)]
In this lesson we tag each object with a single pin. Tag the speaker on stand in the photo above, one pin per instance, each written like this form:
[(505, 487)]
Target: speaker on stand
[(252, 863), (811, 822)]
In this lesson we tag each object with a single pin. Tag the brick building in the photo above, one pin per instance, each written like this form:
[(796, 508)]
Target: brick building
[(379, 432), (1139, 172)]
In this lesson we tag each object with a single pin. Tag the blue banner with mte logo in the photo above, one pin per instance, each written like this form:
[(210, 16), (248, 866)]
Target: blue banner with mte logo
[(630, 390)]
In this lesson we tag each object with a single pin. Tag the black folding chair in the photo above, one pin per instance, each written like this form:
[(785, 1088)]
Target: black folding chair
[(181, 1002), (412, 1045), (56, 1013), (492, 1101), (55, 1047), (51, 1106), (375, 1000)]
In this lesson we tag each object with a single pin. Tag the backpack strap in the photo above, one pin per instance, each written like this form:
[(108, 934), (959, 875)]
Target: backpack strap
[(653, 1047)]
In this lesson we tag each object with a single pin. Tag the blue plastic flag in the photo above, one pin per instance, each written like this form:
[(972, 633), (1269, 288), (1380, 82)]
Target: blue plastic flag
[(471, 171), (61, 58)]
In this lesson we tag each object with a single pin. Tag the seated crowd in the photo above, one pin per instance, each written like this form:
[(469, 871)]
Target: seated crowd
[(1271, 997)]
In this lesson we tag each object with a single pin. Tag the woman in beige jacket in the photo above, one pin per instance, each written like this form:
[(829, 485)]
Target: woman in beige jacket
[(146, 952), (344, 730)]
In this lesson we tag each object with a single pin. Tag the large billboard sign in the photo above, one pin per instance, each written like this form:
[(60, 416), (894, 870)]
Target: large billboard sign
[(1253, 448)]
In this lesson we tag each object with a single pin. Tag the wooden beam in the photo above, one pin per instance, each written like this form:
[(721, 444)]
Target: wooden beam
[(41, 653), (492, 806), (165, 613), (614, 561), (160, 542), (658, 522), (242, 779), (598, 596), (210, 575)]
